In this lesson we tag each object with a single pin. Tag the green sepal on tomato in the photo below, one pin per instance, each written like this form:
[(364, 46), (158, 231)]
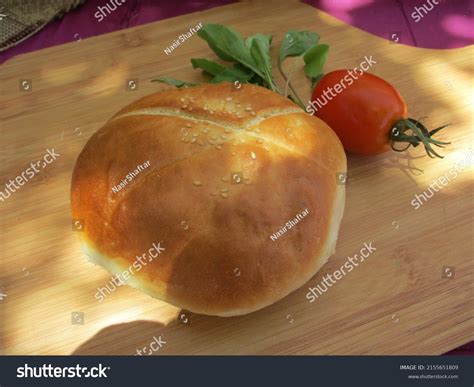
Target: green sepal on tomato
[(368, 114)]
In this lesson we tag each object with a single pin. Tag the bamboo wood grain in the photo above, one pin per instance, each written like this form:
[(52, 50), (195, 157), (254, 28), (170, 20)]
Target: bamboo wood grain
[(396, 302)]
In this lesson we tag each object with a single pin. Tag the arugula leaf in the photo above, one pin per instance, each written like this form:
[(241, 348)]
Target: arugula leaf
[(257, 80), (315, 80), (250, 39), (228, 45), (223, 73), (293, 99), (314, 60), (174, 82), (236, 73), (248, 42), (207, 65), (260, 51), (296, 43), (251, 60)]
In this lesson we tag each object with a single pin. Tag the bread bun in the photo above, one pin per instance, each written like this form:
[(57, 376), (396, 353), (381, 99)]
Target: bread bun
[(233, 189)]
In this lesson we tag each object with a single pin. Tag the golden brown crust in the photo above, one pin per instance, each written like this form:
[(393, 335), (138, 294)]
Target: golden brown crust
[(219, 258)]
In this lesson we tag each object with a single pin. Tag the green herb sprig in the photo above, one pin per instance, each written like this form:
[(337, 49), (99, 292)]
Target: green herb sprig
[(250, 59)]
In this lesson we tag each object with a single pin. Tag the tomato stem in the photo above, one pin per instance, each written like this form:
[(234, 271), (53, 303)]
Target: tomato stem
[(419, 134)]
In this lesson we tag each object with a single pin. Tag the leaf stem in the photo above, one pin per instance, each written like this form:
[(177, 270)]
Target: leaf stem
[(289, 76), (288, 84)]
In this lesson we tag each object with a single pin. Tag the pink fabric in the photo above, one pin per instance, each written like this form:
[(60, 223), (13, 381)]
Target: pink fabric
[(420, 23)]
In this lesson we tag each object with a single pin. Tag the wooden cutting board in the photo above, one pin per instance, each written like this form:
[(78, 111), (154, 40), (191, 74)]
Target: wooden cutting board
[(396, 302)]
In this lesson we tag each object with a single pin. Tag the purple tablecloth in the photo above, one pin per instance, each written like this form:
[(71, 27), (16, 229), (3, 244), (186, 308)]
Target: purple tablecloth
[(82, 23)]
